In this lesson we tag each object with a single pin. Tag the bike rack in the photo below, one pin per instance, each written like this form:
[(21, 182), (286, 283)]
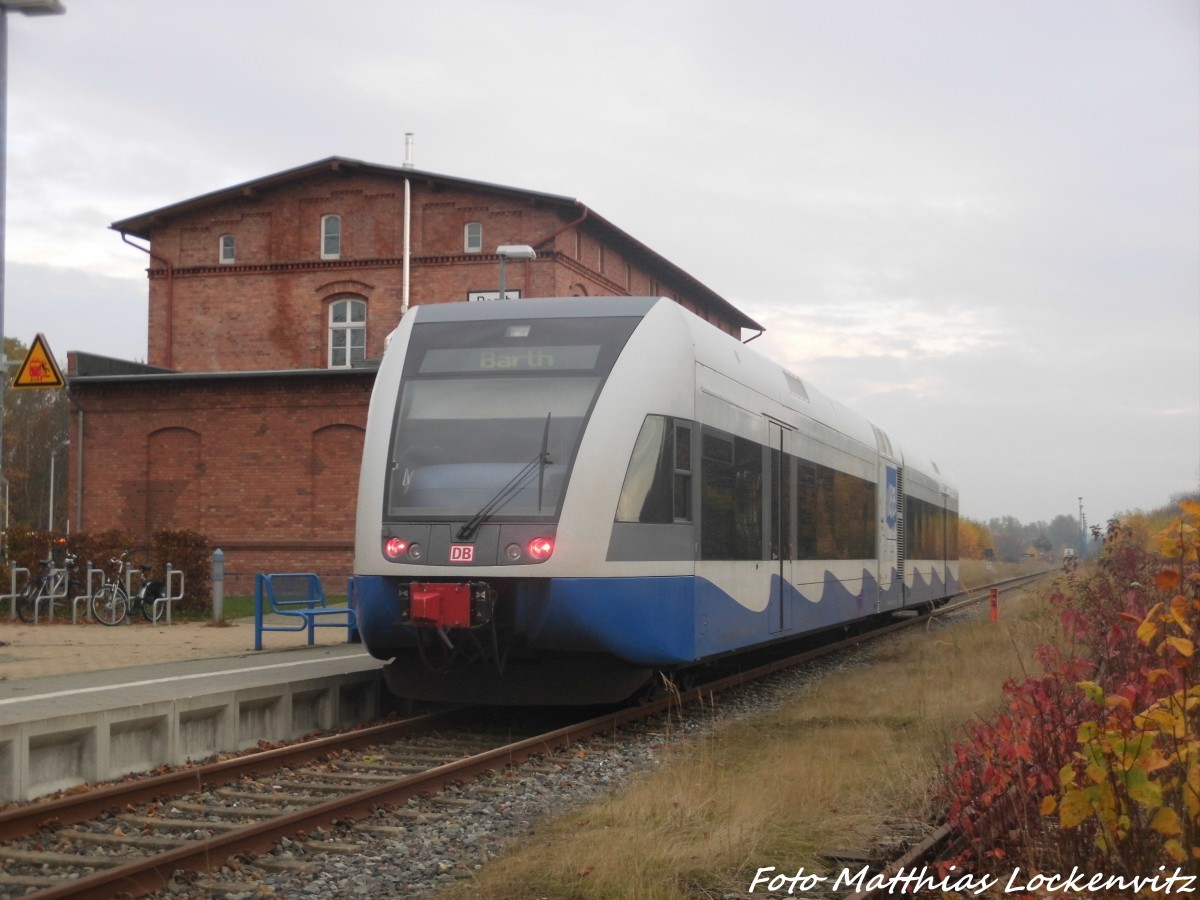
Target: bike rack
[(169, 597), (55, 589), (12, 598), (92, 572)]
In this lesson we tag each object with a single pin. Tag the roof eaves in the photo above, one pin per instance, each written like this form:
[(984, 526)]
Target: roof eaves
[(140, 225)]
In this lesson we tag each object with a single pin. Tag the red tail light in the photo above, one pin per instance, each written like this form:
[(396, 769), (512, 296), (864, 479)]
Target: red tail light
[(395, 547), (540, 548)]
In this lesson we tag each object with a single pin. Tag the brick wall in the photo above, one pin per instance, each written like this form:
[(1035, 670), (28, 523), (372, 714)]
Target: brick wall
[(269, 309), (265, 466)]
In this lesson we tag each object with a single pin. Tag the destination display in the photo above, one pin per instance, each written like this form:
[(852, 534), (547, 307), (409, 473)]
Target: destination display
[(472, 360)]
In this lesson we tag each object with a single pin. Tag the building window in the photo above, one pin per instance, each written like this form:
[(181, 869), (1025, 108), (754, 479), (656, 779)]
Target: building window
[(473, 237), (347, 333), (331, 237), (226, 252)]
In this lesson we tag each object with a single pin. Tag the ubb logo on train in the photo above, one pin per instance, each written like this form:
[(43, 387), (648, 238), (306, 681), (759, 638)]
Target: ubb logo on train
[(893, 498), (462, 553)]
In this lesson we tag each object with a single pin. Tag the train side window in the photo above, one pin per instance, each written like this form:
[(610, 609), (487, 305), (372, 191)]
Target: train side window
[(658, 481), (716, 495), (925, 529), (731, 485), (826, 518), (854, 516), (748, 499), (806, 510), (683, 472), (646, 493)]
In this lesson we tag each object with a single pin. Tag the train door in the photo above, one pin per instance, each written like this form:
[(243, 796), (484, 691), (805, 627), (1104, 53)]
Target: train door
[(779, 521)]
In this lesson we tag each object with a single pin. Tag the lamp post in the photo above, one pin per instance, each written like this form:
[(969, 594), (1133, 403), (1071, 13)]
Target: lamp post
[(28, 8), (512, 251), (53, 457), (1082, 531)]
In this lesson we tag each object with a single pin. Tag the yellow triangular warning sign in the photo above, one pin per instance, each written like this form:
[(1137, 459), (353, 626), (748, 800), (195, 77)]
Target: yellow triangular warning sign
[(39, 369)]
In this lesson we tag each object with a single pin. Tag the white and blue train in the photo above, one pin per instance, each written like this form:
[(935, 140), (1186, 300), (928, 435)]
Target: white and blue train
[(562, 498)]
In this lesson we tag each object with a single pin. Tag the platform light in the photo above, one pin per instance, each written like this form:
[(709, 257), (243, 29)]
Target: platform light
[(512, 251)]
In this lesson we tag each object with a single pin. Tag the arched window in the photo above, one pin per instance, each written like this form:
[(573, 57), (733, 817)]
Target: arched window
[(331, 237), (225, 253), (347, 332), (473, 237)]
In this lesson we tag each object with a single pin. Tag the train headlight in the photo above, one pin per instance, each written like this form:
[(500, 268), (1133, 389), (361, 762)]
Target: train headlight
[(512, 552), (540, 548), (397, 549)]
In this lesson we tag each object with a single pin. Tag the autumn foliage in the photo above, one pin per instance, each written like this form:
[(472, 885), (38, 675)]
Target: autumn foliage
[(1095, 763), (974, 539)]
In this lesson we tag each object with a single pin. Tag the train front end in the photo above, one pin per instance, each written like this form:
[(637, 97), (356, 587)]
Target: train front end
[(472, 450)]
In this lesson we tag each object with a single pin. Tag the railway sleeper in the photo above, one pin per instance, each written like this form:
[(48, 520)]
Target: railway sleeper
[(36, 857), (28, 881), (143, 841), (193, 824), (226, 812)]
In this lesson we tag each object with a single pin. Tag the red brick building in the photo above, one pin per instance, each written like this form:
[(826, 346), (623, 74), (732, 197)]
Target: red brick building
[(268, 302)]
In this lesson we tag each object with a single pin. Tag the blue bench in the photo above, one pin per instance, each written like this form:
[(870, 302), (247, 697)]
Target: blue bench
[(298, 595)]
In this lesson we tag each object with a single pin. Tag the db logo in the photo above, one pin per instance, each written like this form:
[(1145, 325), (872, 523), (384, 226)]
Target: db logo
[(462, 553)]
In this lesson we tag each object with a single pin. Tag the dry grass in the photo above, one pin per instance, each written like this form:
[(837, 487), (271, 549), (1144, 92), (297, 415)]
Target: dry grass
[(831, 768)]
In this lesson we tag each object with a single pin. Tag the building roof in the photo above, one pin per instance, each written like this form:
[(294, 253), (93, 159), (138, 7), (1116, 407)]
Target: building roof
[(142, 225)]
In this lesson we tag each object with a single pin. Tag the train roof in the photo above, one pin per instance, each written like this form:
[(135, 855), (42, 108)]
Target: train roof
[(537, 308)]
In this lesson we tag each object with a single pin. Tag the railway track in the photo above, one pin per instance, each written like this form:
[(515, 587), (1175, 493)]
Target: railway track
[(278, 805)]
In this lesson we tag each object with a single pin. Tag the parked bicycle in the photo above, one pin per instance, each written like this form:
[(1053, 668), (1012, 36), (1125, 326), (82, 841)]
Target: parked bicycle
[(112, 604), (53, 583)]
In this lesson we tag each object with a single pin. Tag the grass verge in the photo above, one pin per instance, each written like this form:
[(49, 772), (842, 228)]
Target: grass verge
[(837, 765)]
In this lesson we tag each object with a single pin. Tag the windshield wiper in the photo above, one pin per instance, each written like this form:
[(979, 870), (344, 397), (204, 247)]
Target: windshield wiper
[(516, 483)]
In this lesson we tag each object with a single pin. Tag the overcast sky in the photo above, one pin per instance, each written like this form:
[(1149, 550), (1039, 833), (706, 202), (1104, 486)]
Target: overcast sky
[(977, 224)]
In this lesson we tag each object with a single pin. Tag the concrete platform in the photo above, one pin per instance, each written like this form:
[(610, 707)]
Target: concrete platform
[(97, 720)]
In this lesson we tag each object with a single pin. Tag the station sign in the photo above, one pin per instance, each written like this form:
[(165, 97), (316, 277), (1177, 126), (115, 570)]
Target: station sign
[(480, 296)]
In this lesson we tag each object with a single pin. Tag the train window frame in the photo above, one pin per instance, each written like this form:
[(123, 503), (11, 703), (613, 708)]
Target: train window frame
[(731, 496), (602, 338), (657, 489), (682, 482)]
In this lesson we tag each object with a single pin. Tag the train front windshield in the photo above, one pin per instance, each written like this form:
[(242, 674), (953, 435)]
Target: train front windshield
[(491, 413)]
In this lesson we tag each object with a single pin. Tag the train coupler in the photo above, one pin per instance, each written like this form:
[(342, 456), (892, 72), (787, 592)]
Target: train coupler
[(446, 605)]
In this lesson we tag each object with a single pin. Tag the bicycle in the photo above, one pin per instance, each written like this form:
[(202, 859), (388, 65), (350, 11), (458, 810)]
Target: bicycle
[(52, 584), (112, 605)]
